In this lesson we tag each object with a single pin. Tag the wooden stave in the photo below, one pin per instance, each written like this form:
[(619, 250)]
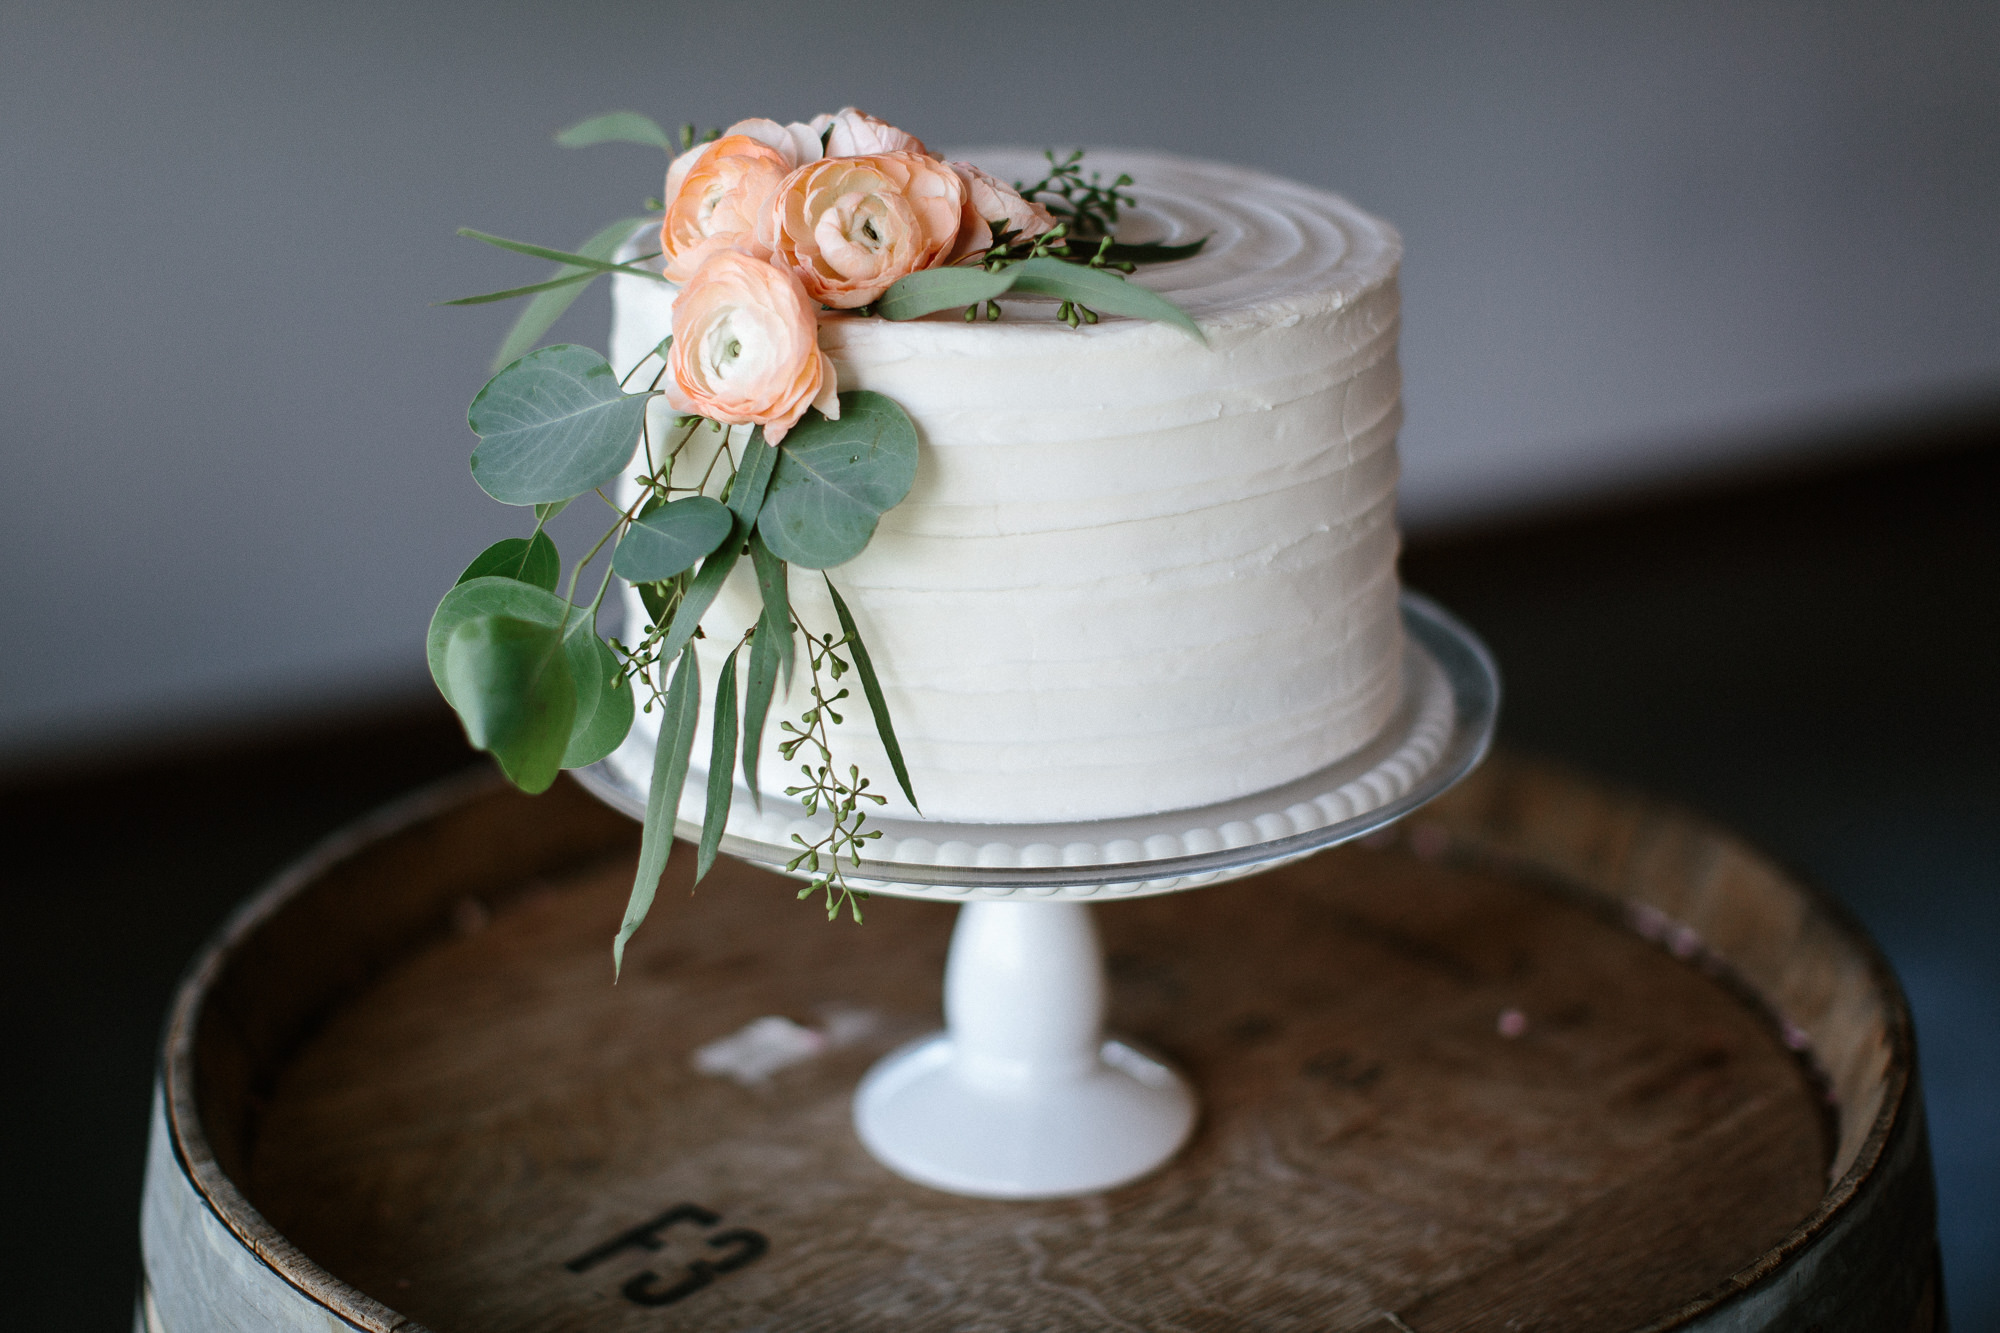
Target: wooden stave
[(1865, 1259)]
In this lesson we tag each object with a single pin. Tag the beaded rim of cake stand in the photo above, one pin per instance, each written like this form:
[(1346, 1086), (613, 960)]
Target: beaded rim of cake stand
[(1440, 731)]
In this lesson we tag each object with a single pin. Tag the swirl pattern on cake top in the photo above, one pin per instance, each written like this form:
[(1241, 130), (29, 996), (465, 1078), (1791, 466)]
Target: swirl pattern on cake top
[(1136, 573)]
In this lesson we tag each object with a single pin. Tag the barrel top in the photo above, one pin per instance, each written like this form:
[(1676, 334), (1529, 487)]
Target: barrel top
[(1546, 1053)]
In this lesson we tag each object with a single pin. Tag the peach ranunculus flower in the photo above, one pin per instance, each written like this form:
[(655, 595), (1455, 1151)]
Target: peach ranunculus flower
[(850, 226), (746, 347), (854, 133), (990, 206), (717, 201)]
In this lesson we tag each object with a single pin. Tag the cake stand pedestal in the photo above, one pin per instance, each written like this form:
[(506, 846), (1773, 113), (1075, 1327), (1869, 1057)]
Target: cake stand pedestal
[(1023, 1095)]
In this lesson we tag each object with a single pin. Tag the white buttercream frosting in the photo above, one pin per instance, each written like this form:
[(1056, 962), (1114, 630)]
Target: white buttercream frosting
[(1135, 573)]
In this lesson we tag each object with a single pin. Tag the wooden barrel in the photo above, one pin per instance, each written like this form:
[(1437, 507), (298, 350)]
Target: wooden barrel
[(1547, 1057)]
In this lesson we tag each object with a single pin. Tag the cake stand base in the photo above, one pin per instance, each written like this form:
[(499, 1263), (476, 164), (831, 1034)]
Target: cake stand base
[(1023, 1097)]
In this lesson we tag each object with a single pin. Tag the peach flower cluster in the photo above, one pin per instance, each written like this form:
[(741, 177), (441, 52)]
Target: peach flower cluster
[(768, 222)]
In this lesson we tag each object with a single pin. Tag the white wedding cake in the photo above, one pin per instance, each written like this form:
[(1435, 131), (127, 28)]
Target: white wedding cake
[(1135, 573)]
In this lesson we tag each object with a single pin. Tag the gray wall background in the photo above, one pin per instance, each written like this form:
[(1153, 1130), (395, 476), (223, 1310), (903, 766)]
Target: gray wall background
[(1645, 242)]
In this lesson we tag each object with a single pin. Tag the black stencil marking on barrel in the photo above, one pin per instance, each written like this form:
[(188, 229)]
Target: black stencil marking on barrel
[(645, 1236), (750, 1247), (640, 1291), (743, 1246)]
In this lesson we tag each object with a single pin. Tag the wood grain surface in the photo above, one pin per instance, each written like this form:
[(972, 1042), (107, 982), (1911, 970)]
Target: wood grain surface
[(483, 1133)]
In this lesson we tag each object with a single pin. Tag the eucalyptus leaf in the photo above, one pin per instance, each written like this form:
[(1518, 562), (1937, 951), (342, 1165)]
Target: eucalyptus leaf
[(549, 509), (569, 257), (616, 127), (700, 594), (757, 693), (487, 596), (603, 701), (541, 313), (753, 478), (498, 596), (508, 294), (1144, 252), (933, 289), (658, 598), (1101, 290), (680, 711), (511, 684), (528, 559), (553, 425), (835, 479), (721, 769), (872, 688), (662, 542), (777, 601)]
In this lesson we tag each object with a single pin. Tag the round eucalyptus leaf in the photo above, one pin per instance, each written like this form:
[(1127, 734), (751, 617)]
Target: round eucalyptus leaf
[(553, 425), (603, 701), (513, 690), (664, 541), (528, 559), (488, 596), (835, 479)]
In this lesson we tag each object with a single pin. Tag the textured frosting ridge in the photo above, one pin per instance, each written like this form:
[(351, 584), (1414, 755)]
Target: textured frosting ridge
[(1135, 573)]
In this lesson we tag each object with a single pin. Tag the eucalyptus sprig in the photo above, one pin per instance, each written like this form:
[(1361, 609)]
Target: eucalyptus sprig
[(1089, 206), (828, 857)]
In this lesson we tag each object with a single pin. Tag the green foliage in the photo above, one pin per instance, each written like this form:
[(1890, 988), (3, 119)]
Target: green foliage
[(1101, 291), (934, 289), (531, 560), (771, 587), (752, 481), (1150, 252), (510, 682), (721, 767), (489, 595), (604, 705), (665, 541), (825, 788), (871, 689), (835, 479), (561, 291), (523, 665), (553, 425), (700, 594), (1088, 206), (598, 709), (569, 257), (758, 691), (682, 706), (616, 127)]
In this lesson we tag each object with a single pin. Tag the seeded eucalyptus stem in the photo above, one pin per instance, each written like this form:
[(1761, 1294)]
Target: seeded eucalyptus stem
[(828, 858)]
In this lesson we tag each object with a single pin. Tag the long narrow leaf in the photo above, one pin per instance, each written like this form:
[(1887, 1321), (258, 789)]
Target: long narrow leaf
[(1102, 291), (552, 284), (930, 290), (700, 594), (873, 689), (561, 256), (771, 581), (757, 693), (663, 798), (616, 127), (721, 766), (540, 314), (1143, 252), (753, 478)]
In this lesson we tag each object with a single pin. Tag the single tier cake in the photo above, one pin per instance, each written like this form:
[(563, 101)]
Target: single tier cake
[(1135, 573)]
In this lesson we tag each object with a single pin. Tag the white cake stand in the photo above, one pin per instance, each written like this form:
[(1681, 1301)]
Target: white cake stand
[(1023, 1095)]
